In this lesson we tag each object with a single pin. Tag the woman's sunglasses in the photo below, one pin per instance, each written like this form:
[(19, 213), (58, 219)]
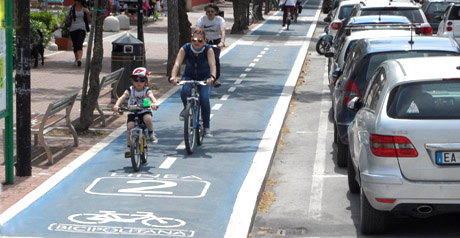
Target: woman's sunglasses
[(138, 79), (196, 39)]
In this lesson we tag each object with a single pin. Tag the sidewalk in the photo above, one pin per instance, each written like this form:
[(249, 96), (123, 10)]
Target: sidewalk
[(59, 77)]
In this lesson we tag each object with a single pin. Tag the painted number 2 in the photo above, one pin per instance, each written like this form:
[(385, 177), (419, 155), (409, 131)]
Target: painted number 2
[(156, 189)]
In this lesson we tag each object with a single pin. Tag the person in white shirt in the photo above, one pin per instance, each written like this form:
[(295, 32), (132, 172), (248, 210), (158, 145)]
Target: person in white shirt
[(287, 5), (214, 26)]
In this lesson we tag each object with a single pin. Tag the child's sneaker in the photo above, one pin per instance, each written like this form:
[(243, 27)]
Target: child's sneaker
[(128, 153), (152, 138)]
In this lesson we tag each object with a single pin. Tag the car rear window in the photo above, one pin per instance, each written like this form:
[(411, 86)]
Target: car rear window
[(437, 7), (455, 13), (413, 14), (372, 61), (345, 12), (425, 100)]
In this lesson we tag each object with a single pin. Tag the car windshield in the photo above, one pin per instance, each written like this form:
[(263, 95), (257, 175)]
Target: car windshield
[(425, 100), (372, 61), (345, 12), (412, 14)]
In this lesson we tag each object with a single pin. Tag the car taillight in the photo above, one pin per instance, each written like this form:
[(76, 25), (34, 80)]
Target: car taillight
[(426, 30), (449, 26), (392, 146), (351, 91), (336, 25)]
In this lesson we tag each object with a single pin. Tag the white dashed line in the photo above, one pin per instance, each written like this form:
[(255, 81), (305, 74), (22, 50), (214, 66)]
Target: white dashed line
[(243, 75), (248, 69), (217, 106), (232, 89), (266, 48), (259, 56), (181, 146), (238, 81), (263, 52), (168, 163), (252, 64), (210, 116), (225, 97), (256, 60)]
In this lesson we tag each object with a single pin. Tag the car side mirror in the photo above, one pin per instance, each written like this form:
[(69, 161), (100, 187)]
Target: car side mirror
[(355, 104), (329, 54), (327, 19), (439, 18)]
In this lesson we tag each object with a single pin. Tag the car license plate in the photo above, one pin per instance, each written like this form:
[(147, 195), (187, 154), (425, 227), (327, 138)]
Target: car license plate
[(448, 157)]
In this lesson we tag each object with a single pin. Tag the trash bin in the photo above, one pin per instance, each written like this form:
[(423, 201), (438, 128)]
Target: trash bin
[(127, 52)]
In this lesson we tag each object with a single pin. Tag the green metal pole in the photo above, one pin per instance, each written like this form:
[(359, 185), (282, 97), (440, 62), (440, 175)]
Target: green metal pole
[(9, 162)]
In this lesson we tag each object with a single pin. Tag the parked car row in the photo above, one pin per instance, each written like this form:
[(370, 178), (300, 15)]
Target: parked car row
[(395, 92)]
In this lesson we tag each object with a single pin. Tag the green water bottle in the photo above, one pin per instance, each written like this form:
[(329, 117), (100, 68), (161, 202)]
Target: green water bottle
[(146, 103)]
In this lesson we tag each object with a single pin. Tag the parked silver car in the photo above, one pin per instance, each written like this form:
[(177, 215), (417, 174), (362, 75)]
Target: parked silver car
[(404, 141)]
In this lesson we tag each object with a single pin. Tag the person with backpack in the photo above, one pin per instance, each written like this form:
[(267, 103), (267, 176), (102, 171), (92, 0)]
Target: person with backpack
[(77, 20)]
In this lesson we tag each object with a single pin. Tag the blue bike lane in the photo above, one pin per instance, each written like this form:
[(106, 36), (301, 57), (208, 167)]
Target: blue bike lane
[(176, 194)]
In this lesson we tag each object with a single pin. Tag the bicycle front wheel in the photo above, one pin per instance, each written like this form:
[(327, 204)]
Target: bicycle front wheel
[(145, 154), (135, 153), (200, 129), (189, 128)]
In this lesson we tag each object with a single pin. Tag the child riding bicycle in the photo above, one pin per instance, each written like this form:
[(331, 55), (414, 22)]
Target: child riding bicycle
[(136, 95)]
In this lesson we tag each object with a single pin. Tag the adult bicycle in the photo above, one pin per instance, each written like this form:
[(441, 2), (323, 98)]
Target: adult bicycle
[(290, 16), (139, 136), (193, 122)]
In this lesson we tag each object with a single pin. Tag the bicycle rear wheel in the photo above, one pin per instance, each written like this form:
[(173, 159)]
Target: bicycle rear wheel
[(200, 129), (189, 130), (135, 153)]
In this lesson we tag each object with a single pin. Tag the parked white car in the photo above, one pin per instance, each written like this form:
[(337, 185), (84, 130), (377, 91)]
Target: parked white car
[(340, 13), (404, 141), (450, 22)]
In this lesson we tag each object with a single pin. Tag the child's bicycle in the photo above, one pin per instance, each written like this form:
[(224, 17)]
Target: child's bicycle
[(193, 123), (139, 136)]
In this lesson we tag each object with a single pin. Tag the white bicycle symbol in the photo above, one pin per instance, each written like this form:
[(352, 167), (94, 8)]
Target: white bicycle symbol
[(147, 218)]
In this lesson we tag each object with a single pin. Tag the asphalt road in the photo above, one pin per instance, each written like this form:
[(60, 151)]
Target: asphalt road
[(306, 194)]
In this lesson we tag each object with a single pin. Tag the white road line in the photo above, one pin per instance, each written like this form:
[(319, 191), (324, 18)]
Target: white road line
[(252, 64), (248, 69), (243, 75), (211, 116), (169, 161), (256, 60), (259, 56), (217, 106), (232, 89), (238, 81), (263, 52), (181, 146), (225, 97), (266, 48), (317, 183)]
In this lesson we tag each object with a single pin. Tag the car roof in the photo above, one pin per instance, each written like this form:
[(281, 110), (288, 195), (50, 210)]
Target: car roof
[(387, 4), (378, 33), (373, 19), (432, 43), (349, 2), (446, 67)]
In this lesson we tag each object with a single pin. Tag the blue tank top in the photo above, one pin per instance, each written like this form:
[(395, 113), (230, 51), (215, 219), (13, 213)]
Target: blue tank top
[(196, 66)]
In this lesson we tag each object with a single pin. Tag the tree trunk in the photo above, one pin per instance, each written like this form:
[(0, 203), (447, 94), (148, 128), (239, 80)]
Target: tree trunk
[(185, 30), (240, 8), (173, 34), (88, 102), (257, 8)]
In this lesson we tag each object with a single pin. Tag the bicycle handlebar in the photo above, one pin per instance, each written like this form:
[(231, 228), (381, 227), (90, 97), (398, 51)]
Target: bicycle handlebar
[(133, 108), (191, 81)]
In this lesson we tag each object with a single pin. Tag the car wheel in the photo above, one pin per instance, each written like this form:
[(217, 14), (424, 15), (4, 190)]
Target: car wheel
[(342, 153), (372, 220), (353, 185)]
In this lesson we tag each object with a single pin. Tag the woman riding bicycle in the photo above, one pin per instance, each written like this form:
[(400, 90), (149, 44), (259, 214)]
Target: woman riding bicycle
[(200, 66)]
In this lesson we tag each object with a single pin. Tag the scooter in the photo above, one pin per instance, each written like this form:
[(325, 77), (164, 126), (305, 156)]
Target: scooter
[(324, 42)]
